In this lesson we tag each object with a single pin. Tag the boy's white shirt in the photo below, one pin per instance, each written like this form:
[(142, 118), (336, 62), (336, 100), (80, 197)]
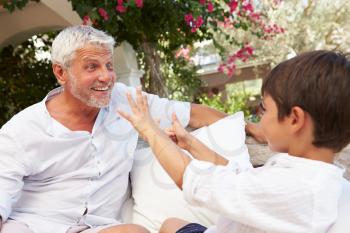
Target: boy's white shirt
[(288, 195)]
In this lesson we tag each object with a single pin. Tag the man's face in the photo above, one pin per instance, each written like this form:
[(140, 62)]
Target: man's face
[(91, 76), (275, 131)]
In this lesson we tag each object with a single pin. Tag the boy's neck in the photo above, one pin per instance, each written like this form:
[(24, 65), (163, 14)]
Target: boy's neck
[(315, 153)]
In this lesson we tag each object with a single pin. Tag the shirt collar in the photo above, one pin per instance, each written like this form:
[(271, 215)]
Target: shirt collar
[(55, 128), (288, 160)]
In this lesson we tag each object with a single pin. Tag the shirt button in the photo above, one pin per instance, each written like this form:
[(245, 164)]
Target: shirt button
[(98, 162), (99, 173), (85, 211)]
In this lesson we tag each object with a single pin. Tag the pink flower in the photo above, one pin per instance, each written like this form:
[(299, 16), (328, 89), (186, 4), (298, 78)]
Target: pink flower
[(139, 3), (230, 70), (183, 52), (255, 16), (233, 5), (243, 54), (249, 50), (199, 21), (103, 13), (221, 68), (120, 8), (202, 2), (120, 2), (248, 7), (188, 18), (210, 7), (86, 20)]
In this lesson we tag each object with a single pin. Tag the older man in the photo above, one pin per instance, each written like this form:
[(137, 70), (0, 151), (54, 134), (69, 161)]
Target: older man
[(65, 161)]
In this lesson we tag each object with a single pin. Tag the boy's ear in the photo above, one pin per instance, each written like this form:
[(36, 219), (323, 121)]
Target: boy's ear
[(60, 73), (297, 118)]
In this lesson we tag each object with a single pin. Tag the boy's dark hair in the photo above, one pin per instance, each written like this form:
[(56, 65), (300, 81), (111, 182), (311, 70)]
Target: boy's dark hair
[(319, 83)]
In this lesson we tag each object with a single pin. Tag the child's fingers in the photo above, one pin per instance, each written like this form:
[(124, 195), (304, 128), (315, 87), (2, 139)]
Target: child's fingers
[(175, 119), (169, 132), (174, 139), (139, 99), (132, 103), (144, 103)]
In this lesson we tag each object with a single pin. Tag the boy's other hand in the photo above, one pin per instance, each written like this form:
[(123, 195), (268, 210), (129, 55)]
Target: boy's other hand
[(178, 134)]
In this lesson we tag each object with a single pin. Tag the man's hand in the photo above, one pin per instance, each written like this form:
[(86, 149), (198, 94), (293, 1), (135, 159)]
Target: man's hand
[(254, 130)]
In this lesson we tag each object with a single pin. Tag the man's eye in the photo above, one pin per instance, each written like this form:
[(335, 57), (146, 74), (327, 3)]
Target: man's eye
[(91, 67), (109, 66)]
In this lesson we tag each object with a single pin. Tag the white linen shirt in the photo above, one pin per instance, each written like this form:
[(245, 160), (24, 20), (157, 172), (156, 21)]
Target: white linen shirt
[(52, 178), (288, 195)]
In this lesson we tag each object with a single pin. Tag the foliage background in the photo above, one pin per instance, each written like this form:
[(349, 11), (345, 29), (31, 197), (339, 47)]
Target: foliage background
[(308, 24), (24, 80)]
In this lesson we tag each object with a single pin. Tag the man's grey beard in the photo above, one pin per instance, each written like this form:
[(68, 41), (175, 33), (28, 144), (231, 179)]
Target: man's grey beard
[(88, 100)]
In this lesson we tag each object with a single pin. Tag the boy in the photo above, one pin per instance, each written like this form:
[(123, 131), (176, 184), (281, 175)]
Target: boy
[(306, 118)]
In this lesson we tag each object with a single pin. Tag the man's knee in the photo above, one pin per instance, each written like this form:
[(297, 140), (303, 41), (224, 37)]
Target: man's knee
[(125, 228), (171, 225), (12, 226)]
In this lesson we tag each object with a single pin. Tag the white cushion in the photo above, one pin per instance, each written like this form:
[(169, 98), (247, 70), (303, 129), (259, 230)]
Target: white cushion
[(157, 198), (342, 224)]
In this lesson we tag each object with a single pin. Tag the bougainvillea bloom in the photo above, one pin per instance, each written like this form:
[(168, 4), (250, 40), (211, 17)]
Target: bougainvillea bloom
[(139, 3), (103, 13)]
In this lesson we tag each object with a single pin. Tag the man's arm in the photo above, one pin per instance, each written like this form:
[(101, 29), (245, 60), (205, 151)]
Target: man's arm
[(202, 115), (0, 223), (12, 171)]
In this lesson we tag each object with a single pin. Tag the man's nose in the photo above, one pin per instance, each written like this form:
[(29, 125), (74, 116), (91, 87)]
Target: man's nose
[(105, 75)]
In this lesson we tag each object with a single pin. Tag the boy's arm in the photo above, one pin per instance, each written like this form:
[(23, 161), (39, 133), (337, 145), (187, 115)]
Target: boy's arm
[(201, 152), (188, 142), (170, 156)]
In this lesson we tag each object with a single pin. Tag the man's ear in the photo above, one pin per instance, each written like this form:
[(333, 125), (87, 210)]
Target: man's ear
[(297, 118), (60, 73)]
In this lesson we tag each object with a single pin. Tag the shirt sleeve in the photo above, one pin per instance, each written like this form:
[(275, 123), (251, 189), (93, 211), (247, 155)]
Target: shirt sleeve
[(163, 108), (257, 195), (160, 108), (12, 171)]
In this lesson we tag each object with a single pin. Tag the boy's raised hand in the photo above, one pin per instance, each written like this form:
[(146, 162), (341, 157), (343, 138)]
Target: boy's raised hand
[(178, 134), (140, 117)]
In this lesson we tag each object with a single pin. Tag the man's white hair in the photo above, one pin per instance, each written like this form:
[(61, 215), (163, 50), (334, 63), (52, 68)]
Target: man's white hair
[(69, 40)]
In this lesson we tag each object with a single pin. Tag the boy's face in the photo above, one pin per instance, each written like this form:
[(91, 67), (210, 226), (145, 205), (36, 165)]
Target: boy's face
[(276, 131)]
